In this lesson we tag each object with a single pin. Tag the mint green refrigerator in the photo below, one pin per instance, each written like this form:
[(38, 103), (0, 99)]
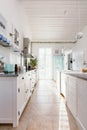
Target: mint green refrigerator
[(58, 64)]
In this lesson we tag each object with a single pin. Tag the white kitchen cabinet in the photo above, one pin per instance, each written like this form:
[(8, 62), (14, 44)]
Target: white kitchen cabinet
[(76, 95), (58, 81), (33, 79), (71, 94), (67, 89), (6, 100), (82, 103), (21, 93), (63, 84), (14, 95), (9, 109), (13, 98), (28, 85)]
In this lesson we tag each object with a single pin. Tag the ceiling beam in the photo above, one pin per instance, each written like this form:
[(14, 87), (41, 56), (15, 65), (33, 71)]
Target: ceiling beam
[(56, 42)]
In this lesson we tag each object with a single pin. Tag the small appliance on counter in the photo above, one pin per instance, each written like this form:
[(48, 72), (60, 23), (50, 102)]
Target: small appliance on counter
[(9, 68), (17, 68)]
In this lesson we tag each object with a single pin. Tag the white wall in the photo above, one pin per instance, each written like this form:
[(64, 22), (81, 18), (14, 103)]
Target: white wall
[(36, 46), (12, 12), (80, 51)]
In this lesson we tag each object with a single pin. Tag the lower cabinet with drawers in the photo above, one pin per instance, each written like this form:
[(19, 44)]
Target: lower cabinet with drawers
[(15, 92), (76, 99)]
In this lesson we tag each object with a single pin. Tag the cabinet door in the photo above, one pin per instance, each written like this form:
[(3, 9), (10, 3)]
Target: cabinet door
[(82, 102), (63, 84), (33, 79), (28, 85), (6, 99), (58, 81), (67, 90), (72, 94), (21, 97)]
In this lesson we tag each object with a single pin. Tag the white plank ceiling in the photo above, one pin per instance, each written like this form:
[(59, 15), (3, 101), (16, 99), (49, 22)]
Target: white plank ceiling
[(55, 20)]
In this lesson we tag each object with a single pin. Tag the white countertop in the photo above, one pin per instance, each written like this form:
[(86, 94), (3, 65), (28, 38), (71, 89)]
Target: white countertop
[(76, 73)]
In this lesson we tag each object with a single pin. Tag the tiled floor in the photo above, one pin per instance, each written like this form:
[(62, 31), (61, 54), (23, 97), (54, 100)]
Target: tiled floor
[(45, 111)]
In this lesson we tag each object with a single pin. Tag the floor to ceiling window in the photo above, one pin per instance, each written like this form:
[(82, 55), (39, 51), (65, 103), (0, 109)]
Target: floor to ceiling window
[(45, 63)]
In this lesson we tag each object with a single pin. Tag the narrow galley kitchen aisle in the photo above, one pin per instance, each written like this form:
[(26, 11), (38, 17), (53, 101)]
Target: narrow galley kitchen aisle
[(45, 111)]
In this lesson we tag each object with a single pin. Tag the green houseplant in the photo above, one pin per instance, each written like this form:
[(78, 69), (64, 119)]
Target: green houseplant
[(33, 63)]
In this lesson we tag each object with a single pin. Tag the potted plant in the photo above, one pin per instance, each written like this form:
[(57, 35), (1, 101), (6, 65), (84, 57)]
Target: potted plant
[(33, 63)]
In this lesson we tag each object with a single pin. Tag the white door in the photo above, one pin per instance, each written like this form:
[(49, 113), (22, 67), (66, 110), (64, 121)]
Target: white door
[(45, 63)]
